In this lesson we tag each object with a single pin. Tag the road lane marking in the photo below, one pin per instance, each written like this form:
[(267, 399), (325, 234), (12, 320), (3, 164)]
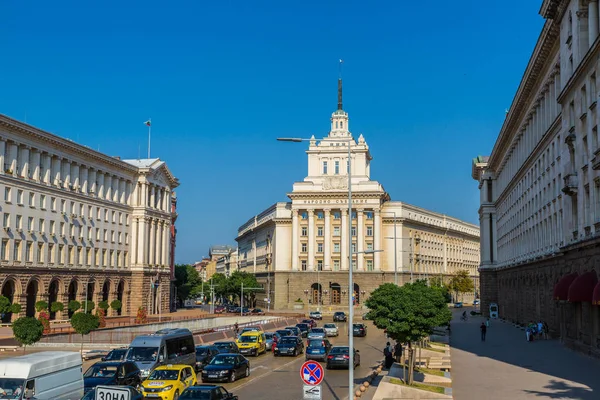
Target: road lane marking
[(263, 375)]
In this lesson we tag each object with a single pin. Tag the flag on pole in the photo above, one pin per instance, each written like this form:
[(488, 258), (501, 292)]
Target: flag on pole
[(148, 123)]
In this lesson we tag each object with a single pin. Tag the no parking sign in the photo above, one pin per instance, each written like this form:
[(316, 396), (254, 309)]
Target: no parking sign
[(312, 373)]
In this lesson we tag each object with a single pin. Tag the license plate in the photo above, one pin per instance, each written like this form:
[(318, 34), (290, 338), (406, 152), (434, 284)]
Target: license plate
[(212, 376), (152, 395), (339, 358)]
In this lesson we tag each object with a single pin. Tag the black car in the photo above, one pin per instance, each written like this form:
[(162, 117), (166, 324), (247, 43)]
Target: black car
[(339, 357), (111, 373), (226, 347), (304, 328), (115, 354), (289, 345), (359, 330), (285, 332), (226, 367), (311, 322), (204, 355), (133, 394), (295, 330), (339, 316), (207, 392), (318, 349)]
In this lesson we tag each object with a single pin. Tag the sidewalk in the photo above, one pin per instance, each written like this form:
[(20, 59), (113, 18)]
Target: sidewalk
[(506, 366)]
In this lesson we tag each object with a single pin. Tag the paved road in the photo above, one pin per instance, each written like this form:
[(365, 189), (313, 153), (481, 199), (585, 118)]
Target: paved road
[(506, 366), (281, 375)]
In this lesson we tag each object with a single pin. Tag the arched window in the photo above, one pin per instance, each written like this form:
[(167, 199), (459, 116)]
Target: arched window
[(336, 124), (342, 125)]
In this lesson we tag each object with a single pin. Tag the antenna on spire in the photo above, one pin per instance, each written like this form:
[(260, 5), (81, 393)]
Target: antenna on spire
[(340, 85)]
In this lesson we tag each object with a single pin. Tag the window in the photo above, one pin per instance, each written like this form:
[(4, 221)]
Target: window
[(336, 231), (369, 265), (53, 203), (29, 251), (583, 100), (112, 236), (336, 265), (17, 251), (4, 250), (118, 259), (353, 231), (20, 197), (303, 264), (43, 201), (127, 220), (96, 257), (319, 247), (369, 245), (70, 255), (61, 254), (369, 231), (51, 252), (88, 256), (63, 206), (71, 230), (114, 217), (62, 228), (52, 227), (126, 238), (347, 166), (30, 224), (324, 167), (105, 215), (111, 260), (31, 200), (19, 222), (125, 258), (304, 231), (120, 238), (97, 234), (337, 167), (320, 231), (105, 235), (104, 257), (320, 215), (81, 210), (89, 233), (354, 265), (90, 211), (40, 253), (98, 213), (354, 215), (336, 247), (369, 215), (120, 218), (6, 220), (320, 265), (304, 215), (303, 248), (79, 256), (336, 215), (353, 247), (7, 194)]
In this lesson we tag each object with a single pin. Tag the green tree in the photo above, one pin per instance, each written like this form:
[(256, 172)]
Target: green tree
[(83, 323), (409, 313), (187, 281), (103, 305), (57, 306), (461, 283), (4, 305), (234, 285), (116, 305), (89, 307), (221, 284), (74, 305), (438, 283), (41, 305), (15, 308), (27, 331)]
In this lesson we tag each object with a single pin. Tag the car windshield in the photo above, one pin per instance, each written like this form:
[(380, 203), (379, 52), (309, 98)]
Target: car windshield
[(164, 375), (317, 330), (287, 340), (269, 335), (13, 388), (357, 325), (339, 350), (316, 343), (284, 333), (200, 351), (116, 355), (196, 394), (223, 345), (101, 371), (248, 339), (329, 326), (339, 313), (223, 360), (302, 326), (142, 353)]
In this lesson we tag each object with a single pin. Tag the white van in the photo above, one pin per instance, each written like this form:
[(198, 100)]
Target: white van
[(47, 375)]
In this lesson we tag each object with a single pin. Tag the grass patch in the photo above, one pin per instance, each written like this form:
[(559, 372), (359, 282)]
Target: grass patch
[(431, 348), (429, 388), (430, 371)]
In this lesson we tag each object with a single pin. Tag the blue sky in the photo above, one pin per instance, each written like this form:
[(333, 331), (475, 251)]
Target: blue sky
[(427, 85)]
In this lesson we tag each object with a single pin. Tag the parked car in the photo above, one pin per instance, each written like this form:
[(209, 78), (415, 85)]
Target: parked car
[(226, 347), (315, 315), (285, 332), (289, 345), (311, 322), (220, 309), (272, 338), (294, 329), (124, 373), (226, 368), (339, 357), (257, 311), (133, 394), (304, 328), (317, 333), (168, 381), (115, 354), (207, 392), (339, 316), (359, 330), (331, 329), (476, 302), (317, 349), (231, 308), (204, 355), (458, 304)]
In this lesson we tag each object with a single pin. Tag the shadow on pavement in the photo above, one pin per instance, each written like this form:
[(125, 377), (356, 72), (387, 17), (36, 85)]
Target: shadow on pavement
[(562, 390)]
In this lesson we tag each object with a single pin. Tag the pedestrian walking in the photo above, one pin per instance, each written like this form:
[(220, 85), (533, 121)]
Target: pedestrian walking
[(236, 328), (487, 322), (398, 352), (483, 329), (546, 329), (388, 353)]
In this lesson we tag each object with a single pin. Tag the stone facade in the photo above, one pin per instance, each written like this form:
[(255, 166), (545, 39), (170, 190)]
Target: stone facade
[(78, 223), (540, 186)]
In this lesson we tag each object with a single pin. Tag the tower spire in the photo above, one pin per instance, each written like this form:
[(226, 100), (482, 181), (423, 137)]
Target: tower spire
[(340, 86)]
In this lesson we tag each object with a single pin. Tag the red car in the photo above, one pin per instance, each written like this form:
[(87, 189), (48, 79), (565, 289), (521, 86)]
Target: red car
[(219, 310), (310, 322)]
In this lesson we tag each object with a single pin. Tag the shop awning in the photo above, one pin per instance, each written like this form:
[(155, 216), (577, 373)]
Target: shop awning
[(561, 289), (582, 288), (596, 295)]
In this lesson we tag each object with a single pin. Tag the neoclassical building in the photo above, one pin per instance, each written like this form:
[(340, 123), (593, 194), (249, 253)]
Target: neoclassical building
[(79, 224), (299, 249), (540, 186)]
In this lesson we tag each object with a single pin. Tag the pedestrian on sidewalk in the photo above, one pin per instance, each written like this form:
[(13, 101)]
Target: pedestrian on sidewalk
[(398, 352), (487, 322), (388, 353), (546, 329), (483, 331)]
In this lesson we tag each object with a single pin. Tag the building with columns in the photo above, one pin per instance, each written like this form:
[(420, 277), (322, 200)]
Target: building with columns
[(540, 186), (299, 249), (79, 224)]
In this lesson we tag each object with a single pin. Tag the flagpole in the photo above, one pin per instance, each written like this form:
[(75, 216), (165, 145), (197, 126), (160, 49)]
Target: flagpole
[(149, 135)]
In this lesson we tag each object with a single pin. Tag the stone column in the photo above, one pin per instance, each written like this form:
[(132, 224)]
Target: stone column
[(311, 240), (360, 239), (152, 196), (295, 240), (593, 20), (140, 241), (327, 240), (12, 157), (377, 240), (56, 171), (24, 168), (75, 176), (494, 244), (100, 187), (66, 172), (47, 176), (134, 240), (344, 240), (35, 162), (152, 260), (108, 187), (129, 188), (84, 179), (2, 157), (122, 193)]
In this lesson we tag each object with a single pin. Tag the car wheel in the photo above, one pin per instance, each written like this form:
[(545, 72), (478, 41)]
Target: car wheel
[(247, 372), (295, 353), (232, 377)]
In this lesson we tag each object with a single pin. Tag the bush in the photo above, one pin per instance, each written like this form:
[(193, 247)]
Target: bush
[(142, 316), (41, 306), (27, 331), (15, 308), (57, 306), (299, 300), (74, 305), (103, 305), (116, 305), (90, 306), (101, 314), (44, 318), (4, 305)]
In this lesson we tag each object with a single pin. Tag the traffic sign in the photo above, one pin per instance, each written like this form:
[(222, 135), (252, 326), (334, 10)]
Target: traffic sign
[(312, 373), (112, 393), (312, 392)]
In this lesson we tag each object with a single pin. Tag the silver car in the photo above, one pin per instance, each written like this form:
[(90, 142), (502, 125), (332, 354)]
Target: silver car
[(271, 337), (317, 333), (331, 329)]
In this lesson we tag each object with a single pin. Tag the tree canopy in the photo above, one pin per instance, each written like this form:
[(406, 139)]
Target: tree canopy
[(461, 282), (27, 330), (187, 281)]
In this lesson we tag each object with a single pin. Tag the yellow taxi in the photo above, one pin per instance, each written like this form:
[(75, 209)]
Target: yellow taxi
[(252, 342), (167, 382)]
